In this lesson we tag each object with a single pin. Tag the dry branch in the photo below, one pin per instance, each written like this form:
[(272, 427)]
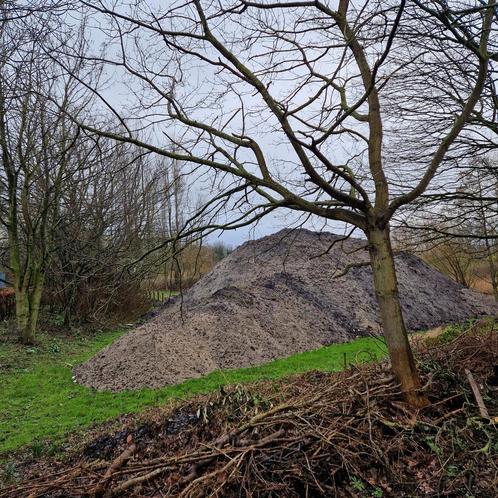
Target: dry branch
[(119, 462), (477, 394)]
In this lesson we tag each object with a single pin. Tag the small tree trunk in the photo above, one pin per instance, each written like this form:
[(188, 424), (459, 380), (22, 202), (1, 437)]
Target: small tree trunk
[(494, 276), (35, 301), (492, 269), (386, 289), (67, 317), (26, 335)]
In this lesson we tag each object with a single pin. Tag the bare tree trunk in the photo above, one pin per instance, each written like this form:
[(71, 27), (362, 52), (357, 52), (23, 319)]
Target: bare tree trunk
[(26, 334), (395, 333), (492, 262), (28, 309), (493, 270), (35, 300)]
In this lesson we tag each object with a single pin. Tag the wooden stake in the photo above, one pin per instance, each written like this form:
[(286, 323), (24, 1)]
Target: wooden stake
[(477, 395)]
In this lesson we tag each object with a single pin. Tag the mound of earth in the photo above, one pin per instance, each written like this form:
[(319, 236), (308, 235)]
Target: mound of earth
[(268, 299)]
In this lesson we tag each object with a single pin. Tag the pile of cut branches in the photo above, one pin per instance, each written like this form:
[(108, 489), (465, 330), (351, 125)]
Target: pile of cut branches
[(345, 434)]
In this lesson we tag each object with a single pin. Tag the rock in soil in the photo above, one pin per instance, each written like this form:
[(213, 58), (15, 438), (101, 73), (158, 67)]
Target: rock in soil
[(271, 298)]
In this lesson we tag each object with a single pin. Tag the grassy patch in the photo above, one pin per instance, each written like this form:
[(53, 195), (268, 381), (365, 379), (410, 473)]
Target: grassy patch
[(162, 295), (39, 399), (451, 332)]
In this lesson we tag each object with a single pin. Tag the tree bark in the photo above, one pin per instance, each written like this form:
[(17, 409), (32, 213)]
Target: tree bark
[(26, 333), (494, 275), (35, 301), (395, 333)]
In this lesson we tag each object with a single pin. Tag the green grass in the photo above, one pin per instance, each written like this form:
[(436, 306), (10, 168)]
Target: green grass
[(162, 295), (39, 400)]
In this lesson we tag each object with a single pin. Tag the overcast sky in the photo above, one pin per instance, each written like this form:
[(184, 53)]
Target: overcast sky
[(215, 96), (120, 92)]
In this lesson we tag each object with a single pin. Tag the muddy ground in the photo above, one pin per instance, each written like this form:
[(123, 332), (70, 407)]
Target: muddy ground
[(268, 299)]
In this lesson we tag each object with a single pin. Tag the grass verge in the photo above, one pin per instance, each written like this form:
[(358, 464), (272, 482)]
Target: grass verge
[(39, 400), (162, 295)]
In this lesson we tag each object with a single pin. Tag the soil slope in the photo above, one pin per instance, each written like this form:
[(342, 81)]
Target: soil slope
[(268, 299)]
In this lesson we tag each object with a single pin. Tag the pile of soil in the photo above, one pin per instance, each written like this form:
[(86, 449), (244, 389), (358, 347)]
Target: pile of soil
[(268, 299), (346, 434)]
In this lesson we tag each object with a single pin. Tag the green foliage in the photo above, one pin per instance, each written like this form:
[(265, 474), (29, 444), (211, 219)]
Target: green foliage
[(36, 448), (452, 470), (455, 330), (55, 348), (9, 472), (220, 251), (431, 443), (451, 332), (162, 295), (357, 484), (39, 399), (364, 490), (54, 318)]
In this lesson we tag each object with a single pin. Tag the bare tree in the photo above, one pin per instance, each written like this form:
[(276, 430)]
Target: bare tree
[(255, 81), (37, 139), (456, 227), (107, 220), (173, 197)]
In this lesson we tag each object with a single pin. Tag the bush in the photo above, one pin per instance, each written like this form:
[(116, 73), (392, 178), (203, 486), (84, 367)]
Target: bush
[(7, 303)]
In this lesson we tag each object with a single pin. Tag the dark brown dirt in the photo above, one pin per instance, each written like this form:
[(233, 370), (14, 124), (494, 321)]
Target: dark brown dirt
[(268, 299)]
